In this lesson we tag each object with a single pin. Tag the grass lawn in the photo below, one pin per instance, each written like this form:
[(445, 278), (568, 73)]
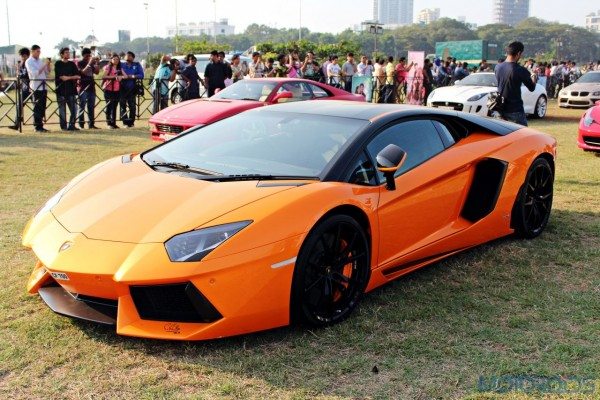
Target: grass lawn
[(510, 307)]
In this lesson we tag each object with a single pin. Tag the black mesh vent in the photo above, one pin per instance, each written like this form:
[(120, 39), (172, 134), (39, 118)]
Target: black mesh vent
[(180, 302)]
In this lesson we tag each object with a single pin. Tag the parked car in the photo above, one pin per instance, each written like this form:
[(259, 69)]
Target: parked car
[(177, 87), (585, 92), (589, 129), (471, 95), (242, 95), (283, 214)]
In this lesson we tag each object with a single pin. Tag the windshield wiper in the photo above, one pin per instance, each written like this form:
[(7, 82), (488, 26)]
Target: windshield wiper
[(258, 177), (182, 167)]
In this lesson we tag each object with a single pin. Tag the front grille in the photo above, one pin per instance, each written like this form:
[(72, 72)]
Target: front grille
[(584, 94), (575, 94), (169, 128), (180, 302), (579, 103), (105, 306), (591, 140), (455, 106)]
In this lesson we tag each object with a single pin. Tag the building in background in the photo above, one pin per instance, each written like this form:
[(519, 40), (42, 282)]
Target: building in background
[(428, 15), (510, 12), (211, 28), (393, 13), (124, 36), (592, 22)]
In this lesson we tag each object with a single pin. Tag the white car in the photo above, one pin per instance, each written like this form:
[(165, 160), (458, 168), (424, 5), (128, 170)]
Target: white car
[(471, 95), (585, 92)]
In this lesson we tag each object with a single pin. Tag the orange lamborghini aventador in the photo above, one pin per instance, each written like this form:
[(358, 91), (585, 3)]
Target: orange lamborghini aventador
[(283, 213)]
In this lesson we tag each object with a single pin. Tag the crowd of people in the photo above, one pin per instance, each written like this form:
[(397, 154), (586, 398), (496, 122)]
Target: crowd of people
[(75, 88), (121, 80)]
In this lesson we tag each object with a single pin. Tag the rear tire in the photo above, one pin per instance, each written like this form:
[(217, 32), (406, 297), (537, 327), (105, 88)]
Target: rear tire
[(331, 273), (534, 201)]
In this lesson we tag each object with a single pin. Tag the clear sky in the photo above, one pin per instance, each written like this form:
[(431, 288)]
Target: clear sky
[(45, 22)]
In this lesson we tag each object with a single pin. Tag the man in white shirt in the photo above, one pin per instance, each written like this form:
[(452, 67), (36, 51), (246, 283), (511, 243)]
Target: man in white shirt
[(38, 71), (333, 72), (362, 66)]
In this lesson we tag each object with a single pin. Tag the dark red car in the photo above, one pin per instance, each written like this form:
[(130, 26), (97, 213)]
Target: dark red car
[(241, 96)]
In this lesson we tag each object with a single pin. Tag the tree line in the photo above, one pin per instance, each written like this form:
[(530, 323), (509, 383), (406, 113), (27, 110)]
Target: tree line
[(543, 40)]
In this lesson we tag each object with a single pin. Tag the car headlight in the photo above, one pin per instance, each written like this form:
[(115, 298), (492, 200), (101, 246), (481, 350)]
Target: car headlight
[(431, 95), (562, 93), (52, 201), (477, 97), (195, 245), (596, 93), (588, 120)]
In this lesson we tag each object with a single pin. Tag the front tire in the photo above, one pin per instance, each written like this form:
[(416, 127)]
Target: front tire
[(331, 273), (534, 202), (541, 107)]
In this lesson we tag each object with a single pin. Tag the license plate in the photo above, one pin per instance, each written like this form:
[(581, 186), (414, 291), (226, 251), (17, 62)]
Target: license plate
[(61, 276), (446, 107)]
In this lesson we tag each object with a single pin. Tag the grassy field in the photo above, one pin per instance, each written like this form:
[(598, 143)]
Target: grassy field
[(510, 307)]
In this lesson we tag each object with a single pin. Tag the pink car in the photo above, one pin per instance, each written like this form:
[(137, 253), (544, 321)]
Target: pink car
[(241, 96)]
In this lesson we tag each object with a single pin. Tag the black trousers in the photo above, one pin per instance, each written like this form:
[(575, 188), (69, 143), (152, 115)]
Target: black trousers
[(39, 108), (128, 106), (112, 101), (63, 103)]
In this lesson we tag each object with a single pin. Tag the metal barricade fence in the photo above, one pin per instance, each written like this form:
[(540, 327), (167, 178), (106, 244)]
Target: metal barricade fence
[(133, 101)]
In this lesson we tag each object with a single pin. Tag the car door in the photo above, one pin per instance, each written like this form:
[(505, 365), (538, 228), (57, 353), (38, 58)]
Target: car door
[(430, 188), (529, 99)]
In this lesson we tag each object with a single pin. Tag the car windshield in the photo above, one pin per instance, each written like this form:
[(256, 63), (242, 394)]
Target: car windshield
[(261, 143), (246, 89), (478, 80), (590, 77)]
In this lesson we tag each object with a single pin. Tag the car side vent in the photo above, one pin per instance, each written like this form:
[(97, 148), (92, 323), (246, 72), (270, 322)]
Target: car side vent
[(485, 189)]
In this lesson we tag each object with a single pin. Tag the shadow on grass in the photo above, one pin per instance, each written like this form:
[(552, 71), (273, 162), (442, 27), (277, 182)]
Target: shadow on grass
[(445, 314)]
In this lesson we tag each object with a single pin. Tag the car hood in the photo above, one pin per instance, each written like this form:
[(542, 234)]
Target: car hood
[(460, 92), (586, 87), (202, 111), (130, 202)]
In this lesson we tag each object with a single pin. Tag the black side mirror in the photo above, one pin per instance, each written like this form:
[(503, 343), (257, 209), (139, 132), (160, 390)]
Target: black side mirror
[(388, 161)]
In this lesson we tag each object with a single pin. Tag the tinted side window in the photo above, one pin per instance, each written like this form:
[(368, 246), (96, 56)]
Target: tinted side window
[(362, 171), (447, 137), (317, 91), (418, 138)]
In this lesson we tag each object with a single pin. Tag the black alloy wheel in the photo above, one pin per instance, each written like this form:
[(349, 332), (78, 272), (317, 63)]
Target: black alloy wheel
[(332, 272), (532, 209)]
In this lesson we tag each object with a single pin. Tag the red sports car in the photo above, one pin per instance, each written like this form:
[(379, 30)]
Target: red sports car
[(241, 96), (589, 129)]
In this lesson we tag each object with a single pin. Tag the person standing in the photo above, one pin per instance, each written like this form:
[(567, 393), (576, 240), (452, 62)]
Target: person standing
[(160, 84), (362, 66), (510, 76), (132, 71), (192, 79), (333, 72), (38, 71), (308, 69), (237, 73), (257, 68), (66, 76), (24, 79), (348, 70), (88, 66), (294, 65), (113, 74), (215, 74), (427, 79)]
